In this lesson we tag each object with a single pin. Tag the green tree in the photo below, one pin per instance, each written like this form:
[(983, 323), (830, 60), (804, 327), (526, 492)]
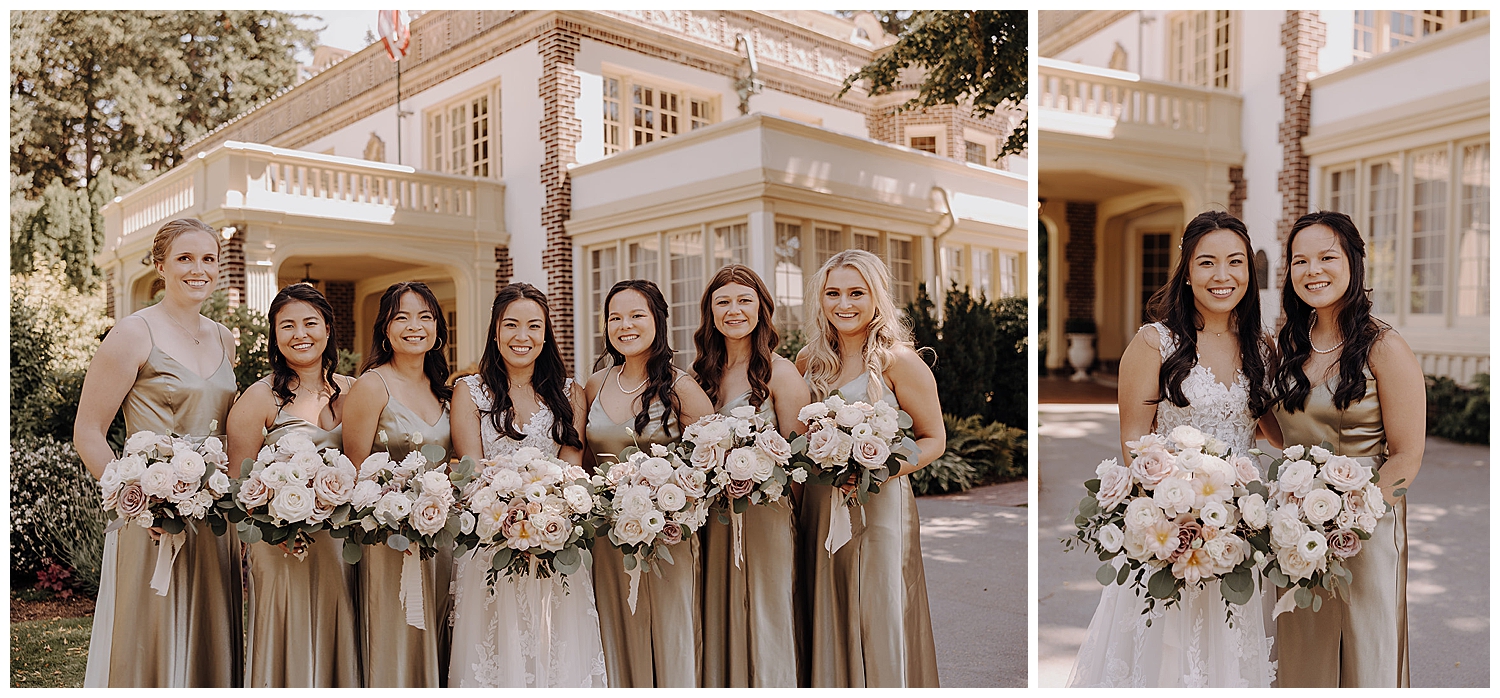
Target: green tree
[(974, 58), (966, 353), (1008, 385)]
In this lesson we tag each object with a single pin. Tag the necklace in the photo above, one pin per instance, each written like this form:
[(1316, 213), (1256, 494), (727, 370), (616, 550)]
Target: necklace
[(1315, 348), (622, 388), (184, 329)]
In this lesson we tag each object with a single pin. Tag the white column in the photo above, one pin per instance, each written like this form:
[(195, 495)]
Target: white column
[(762, 232), (260, 269)]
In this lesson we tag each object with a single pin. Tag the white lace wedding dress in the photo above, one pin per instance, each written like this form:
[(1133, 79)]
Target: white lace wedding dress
[(1189, 645), (529, 634)]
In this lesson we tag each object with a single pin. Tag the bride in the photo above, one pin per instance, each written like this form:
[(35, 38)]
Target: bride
[(527, 632), (1202, 364)]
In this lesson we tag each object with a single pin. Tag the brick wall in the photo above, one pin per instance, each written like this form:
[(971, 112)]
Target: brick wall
[(1079, 254), (232, 269), (558, 89), (1237, 191), (109, 293), (504, 268), (1301, 36), (340, 295), (890, 126)]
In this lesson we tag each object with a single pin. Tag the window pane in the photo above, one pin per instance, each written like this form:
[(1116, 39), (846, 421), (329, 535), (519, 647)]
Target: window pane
[(684, 286), (1341, 191), (974, 152), (731, 245), (903, 274), (644, 255), (830, 241), (1010, 275), (1474, 233), (984, 273), (1156, 265), (924, 143), (604, 272), (953, 266), (611, 116), (1384, 206), (1429, 231), (869, 243), (789, 278)]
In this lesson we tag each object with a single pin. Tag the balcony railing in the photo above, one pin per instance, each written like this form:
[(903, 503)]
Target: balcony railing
[(1085, 100), (249, 177)]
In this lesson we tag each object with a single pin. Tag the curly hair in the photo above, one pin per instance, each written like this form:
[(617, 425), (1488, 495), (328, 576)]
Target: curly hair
[(887, 328), (282, 374), (548, 377), (434, 364), (708, 367), (659, 374)]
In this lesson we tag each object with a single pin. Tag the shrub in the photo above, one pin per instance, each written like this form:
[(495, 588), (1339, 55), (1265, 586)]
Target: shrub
[(980, 350), (348, 362), (1009, 397), (1457, 412), (978, 453), (54, 510), (792, 341), (55, 331), (945, 475)]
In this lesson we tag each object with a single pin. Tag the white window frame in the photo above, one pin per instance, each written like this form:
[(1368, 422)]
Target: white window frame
[(695, 109), (1199, 44), (439, 134), (939, 132)]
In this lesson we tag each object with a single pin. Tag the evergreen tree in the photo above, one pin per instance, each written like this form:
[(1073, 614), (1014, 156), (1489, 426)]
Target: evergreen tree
[(966, 354), (1008, 385)]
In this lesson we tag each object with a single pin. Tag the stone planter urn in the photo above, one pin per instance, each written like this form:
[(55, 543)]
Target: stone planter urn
[(1080, 354)]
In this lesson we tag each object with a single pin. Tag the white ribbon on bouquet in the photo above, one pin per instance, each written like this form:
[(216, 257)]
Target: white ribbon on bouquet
[(840, 528), (411, 588), (166, 554)]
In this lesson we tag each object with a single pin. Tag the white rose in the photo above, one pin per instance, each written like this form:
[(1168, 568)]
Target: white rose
[(813, 411), (634, 501), (885, 426), (1319, 454), (578, 498), (552, 531), (764, 466), (655, 470), (466, 522), (130, 468), (870, 451), (1141, 513), (671, 497), (159, 480), (1253, 510), (140, 441), (1115, 485), (110, 483), (365, 494), (392, 508), (429, 514), (253, 491), (1215, 514), (374, 464), (1175, 496), (1367, 522), (631, 530), (740, 463), (1111, 537), (296, 442), (1286, 527), (1226, 551), (848, 416), (1374, 500), (1320, 505), (706, 456), (1347, 518), (507, 482), (218, 483), (1296, 477), (772, 489), (1345, 474), (1293, 452), (436, 483), (292, 503), (693, 482), (333, 485), (1188, 438), (1245, 471), (190, 466), (1294, 565), (773, 445), (276, 476)]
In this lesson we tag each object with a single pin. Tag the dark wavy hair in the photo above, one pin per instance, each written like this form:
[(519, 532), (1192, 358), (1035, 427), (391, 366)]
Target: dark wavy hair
[(659, 375), (1173, 305), (708, 367), (435, 364), (282, 375), (549, 376), (1359, 329)]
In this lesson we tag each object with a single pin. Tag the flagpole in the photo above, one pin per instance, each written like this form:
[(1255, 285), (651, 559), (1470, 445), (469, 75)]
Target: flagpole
[(399, 161)]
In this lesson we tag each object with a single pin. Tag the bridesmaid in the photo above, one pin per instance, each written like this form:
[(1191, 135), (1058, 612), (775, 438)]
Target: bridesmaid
[(302, 626), (750, 619), (660, 644), (170, 370), (1348, 379), (868, 601), (399, 404)]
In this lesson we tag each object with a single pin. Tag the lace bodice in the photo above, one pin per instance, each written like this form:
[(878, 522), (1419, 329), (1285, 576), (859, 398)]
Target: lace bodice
[(1223, 412), (537, 431)]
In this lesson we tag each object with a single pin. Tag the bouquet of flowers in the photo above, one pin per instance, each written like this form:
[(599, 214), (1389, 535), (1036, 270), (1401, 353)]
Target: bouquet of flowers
[(290, 492), (853, 443), (1324, 507), (649, 502), (747, 462), (412, 506), (536, 512), (165, 481), (1178, 518)]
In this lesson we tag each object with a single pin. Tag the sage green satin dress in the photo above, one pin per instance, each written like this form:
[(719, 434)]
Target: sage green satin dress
[(302, 629), (192, 636), (393, 653), (867, 603), (750, 623), (1359, 642), (661, 643)]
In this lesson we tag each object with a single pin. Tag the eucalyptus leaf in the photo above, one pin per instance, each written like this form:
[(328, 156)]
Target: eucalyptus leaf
[(630, 562), (1303, 596), (903, 420), (664, 552), (1088, 506), (1162, 585), (740, 506), (443, 539), (1105, 574), (434, 453), (1317, 603), (398, 542), (501, 560), (568, 557), (250, 534), (172, 525), (353, 552), (1092, 485), (1123, 574)]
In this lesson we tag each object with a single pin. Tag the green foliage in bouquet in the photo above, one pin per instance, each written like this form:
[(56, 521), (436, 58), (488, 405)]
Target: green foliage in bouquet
[(866, 481), (360, 527)]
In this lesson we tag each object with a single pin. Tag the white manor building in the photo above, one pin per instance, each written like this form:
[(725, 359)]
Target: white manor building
[(572, 149), (1144, 119)]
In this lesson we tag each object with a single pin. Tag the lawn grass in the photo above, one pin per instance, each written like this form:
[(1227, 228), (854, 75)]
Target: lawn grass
[(49, 653)]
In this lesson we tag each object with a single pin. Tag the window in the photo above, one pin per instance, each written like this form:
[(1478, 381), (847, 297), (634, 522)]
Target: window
[(684, 287), (452, 341), (1429, 231), (975, 153), (1010, 275), (1202, 49), (731, 245), (1474, 233), (1403, 28), (459, 139), (903, 262), (1364, 34), (636, 113), (1341, 190), (604, 272), (1384, 208), (829, 242), (643, 256), (1379, 31), (789, 278), (869, 242), (1156, 266), (953, 268), (926, 144), (1435, 20), (984, 272)]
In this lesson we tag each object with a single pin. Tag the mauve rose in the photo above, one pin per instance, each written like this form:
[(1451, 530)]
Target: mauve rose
[(131, 501), (1152, 466), (740, 488), (671, 533), (552, 531), (182, 491), (1344, 543), (1187, 532)]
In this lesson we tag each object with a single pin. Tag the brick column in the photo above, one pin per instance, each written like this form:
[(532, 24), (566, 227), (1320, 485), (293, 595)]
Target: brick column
[(1301, 36), (109, 293), (504, 267), (1079, 255), (558, 88), (340, 295), (232, 269), (1237, 191)]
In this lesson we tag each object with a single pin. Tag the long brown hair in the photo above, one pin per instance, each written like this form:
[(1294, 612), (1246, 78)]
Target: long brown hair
[(708, 367), (660, 376)]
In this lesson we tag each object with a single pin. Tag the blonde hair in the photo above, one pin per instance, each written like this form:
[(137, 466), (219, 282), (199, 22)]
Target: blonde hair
[(885, 332), (171, 230)]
